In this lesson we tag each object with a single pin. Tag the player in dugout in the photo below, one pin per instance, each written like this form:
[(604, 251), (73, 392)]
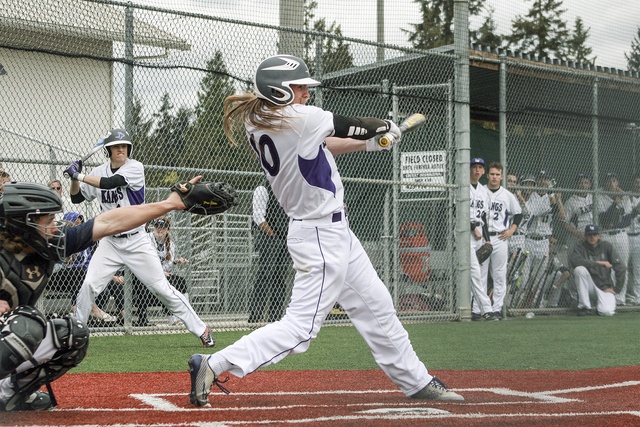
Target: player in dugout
[(34, 351)]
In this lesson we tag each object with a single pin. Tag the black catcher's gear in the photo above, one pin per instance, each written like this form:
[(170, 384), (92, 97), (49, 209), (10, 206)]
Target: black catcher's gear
[(21, 332), (21, 203)]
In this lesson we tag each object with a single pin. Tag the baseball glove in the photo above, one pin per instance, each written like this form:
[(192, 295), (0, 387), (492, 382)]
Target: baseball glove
[(484, 252), (206, 198)]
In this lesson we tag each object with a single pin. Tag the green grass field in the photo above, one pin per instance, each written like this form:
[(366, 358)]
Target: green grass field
[(544, 342)]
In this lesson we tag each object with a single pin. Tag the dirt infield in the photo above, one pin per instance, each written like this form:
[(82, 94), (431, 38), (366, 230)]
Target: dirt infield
[(603, 397)]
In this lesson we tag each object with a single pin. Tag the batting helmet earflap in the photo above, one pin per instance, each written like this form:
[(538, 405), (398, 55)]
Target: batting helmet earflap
[(21, 201), (115, 137), (276, 74)]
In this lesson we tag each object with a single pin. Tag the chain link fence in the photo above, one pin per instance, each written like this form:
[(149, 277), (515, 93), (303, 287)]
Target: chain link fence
[(76, 69)]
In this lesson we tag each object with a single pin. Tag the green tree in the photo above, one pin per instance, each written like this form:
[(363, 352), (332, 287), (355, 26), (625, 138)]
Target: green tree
[(335, 52), (542, 32), (577, 49), (633, 57), (206, 144), (486, 35), (436, 27), (140, 132)]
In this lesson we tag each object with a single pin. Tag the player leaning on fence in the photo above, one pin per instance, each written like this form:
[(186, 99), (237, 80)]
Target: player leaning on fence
[(295, 145)]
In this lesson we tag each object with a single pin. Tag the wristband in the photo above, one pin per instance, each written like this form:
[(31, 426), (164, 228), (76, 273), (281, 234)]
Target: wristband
[(81, 177)]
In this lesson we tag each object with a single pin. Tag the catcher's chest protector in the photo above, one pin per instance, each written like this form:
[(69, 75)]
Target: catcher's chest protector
[(23, 281)]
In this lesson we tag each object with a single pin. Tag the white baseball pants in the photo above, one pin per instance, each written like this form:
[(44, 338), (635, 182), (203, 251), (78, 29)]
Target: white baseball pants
[(620, 242), (481, 301), (498, 263), (138, 254), (633, 287), (588, 292), (331, 266)]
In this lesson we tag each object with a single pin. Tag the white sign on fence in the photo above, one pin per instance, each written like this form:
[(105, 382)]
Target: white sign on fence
[(428, 167)]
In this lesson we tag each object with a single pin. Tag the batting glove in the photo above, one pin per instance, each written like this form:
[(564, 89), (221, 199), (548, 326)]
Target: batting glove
[(394, 130), (372, 144), (74, 169)]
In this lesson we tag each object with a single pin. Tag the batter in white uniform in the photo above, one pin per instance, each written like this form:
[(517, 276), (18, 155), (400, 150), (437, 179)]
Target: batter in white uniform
[(503, 220), (296, 150), (116, 183)]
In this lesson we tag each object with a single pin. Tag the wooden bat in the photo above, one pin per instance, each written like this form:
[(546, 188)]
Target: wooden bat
[(97, 147), (409, 124)]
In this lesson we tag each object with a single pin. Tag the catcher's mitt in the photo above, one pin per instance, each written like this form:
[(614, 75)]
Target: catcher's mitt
[(206, 198), (484, 251)]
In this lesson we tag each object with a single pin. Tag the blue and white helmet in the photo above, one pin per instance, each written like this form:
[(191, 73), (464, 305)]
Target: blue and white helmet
[(115, 137), (276, 74)]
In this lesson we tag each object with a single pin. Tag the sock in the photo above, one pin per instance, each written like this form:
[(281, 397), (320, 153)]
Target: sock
[(219, 364)]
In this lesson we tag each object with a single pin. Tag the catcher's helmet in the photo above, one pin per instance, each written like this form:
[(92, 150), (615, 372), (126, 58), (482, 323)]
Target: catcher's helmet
[(115, 137), (22, 201), (276, 74)]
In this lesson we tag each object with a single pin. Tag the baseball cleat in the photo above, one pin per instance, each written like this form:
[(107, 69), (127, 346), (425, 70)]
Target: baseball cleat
[(207, 338), (202, 378), (490, 316), (436, 390)]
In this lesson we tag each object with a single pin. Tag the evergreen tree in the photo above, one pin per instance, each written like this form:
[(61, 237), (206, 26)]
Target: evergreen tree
[(207, 145), (542, 32), (436, 28), (140, 131), (577, 49), (633, 57), (486, 35), (335, 52)]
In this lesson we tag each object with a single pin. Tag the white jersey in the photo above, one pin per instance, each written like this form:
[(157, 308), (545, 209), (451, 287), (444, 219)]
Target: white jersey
[(479, 196), (634, 227), (579, 210), (132, 194), (503, 205), (301, 170), (540, 215)]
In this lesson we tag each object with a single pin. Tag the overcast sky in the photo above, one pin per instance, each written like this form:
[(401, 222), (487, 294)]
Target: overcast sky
[(613, 24)]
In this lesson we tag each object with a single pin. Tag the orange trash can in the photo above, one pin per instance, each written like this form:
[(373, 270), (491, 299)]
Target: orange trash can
[(414, 252)]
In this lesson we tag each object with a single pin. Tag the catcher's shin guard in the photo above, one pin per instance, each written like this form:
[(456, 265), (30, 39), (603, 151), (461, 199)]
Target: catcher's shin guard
[(71, 337), (21, 332)]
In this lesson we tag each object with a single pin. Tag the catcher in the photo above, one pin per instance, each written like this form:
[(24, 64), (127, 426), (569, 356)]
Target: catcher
[(35, 351)]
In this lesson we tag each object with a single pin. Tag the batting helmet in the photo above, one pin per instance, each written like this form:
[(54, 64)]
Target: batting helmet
[(115, 137), (276, 74), (22, 201)]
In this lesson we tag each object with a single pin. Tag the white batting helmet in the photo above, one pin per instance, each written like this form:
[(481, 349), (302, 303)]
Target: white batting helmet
[(276, 74), (115, 137)]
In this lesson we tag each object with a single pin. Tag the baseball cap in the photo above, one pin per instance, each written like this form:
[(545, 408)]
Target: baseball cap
[(584, 175), (612, 175), (591, 229), (544, 174), (527, 178), (477, 161)]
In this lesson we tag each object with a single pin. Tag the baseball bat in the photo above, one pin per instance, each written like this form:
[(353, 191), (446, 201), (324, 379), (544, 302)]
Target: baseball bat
[(409, 124), (97, 147)]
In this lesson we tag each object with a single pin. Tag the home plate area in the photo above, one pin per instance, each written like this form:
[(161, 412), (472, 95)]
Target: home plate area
[(345, 398)]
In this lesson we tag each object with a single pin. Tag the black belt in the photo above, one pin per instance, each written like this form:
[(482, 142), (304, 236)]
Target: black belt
[(122, 236), (633, 234), (538, 237), (335, 217), (495, 233), (613, 232)]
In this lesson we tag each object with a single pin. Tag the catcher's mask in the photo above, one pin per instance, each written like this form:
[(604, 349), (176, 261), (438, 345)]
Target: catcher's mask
[(115, 137), (276, 74), (22, 204)]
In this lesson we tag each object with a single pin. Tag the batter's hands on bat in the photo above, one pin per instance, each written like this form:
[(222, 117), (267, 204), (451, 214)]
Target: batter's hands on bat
[(73, 170), (394, 130), (373, 144)]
